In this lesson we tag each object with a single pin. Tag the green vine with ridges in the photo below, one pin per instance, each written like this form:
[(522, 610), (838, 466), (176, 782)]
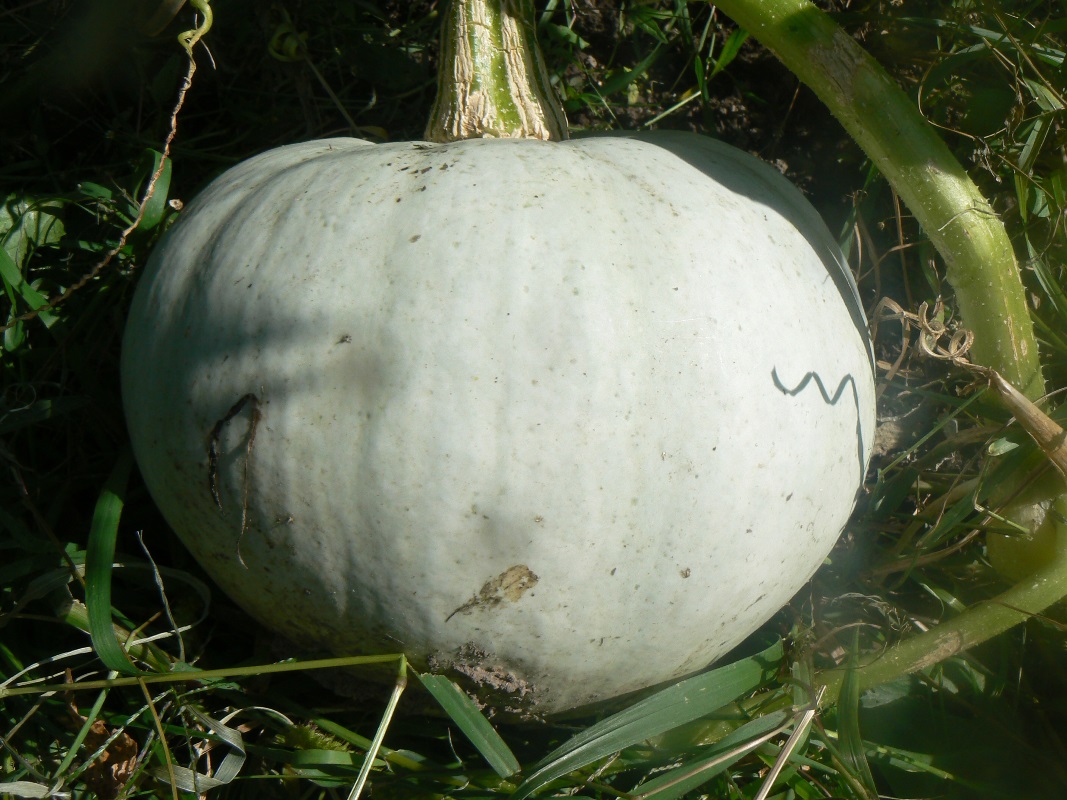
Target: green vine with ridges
[(980, 262)]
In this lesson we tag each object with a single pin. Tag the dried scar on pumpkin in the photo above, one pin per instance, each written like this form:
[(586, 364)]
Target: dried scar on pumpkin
[(511, 584)]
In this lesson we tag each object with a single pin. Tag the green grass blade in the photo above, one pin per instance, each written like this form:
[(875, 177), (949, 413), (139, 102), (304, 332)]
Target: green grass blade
[(729, 50), (83, 732), (715, 759), (674, 706), (1050, 285), (624, 77), (473, 723), (323, 761), (25, 789), (99, 557), (379, 736), (401, 758), (189, 780), (852, 749)]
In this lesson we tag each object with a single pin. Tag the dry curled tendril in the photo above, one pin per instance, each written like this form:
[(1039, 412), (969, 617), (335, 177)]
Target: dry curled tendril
[(951, 342), (937, 338)]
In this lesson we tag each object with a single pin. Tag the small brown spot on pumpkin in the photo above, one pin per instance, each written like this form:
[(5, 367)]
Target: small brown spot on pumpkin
[(415, 238), (510, 585), (685, 573)]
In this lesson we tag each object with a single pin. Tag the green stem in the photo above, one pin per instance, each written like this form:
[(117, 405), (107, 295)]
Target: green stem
[(189, 39), (977, 624), (492, 81), (187, 675), (907, 150)]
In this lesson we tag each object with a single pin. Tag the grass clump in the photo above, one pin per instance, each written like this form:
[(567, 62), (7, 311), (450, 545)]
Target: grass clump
[(88, 101)]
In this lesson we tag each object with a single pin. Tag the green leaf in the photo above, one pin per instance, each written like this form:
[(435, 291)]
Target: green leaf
[(1050, 284), (95, 191), (729, 50), (648, 19), (15, 284), (42, 585), (667, 709), (888, 495), (619, 80), (26, 223), (564, 34), (997, 39), (949, 521), (100, 556), (473, 723), (156, 206), (1001, 446)]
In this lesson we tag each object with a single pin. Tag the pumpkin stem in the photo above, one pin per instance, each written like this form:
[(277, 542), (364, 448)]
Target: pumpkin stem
[(492, 81)]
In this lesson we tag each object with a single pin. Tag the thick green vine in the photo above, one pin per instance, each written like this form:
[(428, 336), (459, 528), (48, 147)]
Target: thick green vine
[(980, 263), (885, 122)]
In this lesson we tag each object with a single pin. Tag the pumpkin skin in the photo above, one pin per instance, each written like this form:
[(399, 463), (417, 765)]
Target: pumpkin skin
[(528, 411)]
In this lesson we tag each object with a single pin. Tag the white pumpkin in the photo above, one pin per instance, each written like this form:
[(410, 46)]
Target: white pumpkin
[(527, 411)]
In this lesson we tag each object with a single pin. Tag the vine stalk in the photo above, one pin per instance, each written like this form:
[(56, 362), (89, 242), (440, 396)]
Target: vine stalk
[(885, 122), (491, 80), (981, 268)]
